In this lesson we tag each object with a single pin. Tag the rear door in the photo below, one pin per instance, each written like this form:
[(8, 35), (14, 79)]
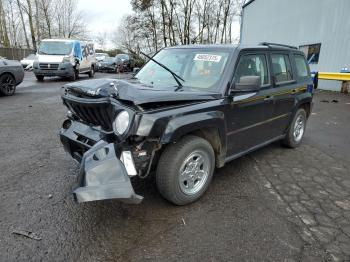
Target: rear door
[(285, 87), (249, 117)]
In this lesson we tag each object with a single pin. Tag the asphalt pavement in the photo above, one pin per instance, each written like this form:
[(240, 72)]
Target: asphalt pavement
[(275, 204)]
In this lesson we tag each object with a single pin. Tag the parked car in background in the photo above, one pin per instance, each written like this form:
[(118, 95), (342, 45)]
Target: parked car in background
[(109, 64), (127, 62), (11, 75), (28, 61), (101, 56), (64, 58), (189, 110)]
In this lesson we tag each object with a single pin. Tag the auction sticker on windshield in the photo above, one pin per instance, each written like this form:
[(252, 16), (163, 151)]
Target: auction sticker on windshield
[(207, 58)]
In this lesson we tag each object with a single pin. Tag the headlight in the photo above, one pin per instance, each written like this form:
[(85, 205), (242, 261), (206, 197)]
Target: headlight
[(66, 59), (121, 122), (69, 114)]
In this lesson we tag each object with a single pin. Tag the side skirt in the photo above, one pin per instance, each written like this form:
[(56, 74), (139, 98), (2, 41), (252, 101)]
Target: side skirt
[(232, 157)]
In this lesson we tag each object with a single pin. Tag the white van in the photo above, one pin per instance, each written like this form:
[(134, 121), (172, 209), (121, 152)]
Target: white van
[(64, 58)]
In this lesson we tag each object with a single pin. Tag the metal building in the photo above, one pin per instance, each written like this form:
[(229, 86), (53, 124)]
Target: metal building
[(321, 28)]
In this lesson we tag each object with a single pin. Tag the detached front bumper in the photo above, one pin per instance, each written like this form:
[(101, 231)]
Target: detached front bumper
[(102, 174)]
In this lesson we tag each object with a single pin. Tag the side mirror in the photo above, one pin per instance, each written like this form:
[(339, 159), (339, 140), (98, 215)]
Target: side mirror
[(135, 70), (247, 84)]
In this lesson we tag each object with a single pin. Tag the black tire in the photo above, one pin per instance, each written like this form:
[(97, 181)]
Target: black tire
[(75, 75), (92, 72), (39, 78), (173, 158), (291, 140), (7, 85)]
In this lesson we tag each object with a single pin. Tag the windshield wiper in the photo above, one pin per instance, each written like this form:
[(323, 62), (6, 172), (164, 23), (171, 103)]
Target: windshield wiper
[(176, 76)]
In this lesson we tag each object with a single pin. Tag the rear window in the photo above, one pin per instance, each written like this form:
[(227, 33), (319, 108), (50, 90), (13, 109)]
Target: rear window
[(301, 66)]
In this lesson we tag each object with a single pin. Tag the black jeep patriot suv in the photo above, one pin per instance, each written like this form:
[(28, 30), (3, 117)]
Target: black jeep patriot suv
[(188, 110)]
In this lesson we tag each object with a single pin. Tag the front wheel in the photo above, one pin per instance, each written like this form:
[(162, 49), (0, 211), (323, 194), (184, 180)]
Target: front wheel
[(92, 72), (185, 170), (75, 75), (39, 78), (7, 85), (296, 130)]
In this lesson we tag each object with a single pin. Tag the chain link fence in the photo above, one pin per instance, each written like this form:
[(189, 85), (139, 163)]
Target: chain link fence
[(15, 53)]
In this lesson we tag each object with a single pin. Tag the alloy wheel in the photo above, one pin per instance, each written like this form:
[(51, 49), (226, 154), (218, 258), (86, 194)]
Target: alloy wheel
[(194, 172)]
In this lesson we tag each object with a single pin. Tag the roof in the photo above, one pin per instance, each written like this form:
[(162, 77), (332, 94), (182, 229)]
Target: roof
[(232, 47), (248, 3), (204, 46), (59, 40)]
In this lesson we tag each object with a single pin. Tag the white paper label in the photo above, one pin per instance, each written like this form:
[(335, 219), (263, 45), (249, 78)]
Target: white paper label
[(207, 58)]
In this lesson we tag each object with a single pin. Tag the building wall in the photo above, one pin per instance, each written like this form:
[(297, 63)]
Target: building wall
[(302, 22)]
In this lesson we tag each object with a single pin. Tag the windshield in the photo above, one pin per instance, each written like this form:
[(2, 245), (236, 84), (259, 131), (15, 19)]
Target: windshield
[(122, 56), (201, 69), (55, 48), (108, 59), (101, 54)]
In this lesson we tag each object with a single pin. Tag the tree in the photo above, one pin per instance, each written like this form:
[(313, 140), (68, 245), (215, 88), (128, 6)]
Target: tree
[(26, 22), (155, 24)]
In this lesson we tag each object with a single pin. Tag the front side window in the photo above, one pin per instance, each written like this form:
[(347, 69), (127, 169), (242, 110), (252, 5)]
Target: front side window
[(282, 70), (301, 66), (201, 69), (252, 65)]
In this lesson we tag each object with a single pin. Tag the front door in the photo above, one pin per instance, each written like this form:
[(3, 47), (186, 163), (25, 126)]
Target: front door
[(250, 116), (84, 63)]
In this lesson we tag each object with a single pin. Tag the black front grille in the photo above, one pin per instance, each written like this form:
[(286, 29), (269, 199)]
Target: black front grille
[(49, 66), (95, 114)]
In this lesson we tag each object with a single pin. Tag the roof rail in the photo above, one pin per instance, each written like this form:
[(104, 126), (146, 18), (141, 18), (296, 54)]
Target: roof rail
[(274, 44)]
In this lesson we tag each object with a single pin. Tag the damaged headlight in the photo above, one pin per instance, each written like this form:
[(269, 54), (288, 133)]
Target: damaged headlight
[(121, 122)]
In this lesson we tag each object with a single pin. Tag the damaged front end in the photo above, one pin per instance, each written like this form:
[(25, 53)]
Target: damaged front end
[(106, 157)]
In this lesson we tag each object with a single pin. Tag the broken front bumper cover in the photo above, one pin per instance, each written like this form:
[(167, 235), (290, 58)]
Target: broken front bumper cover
[(102, 174)]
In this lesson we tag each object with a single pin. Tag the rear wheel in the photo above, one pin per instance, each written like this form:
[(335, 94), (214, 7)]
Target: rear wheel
[(7, 85), (39, 78), (185, 170), (296, 130)]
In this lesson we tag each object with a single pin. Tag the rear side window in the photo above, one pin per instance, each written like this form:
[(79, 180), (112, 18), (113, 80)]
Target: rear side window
[(252, 65), (301, 66), (282, 70)]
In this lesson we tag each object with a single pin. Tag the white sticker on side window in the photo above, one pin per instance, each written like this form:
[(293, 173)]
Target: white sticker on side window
[(207, 58)]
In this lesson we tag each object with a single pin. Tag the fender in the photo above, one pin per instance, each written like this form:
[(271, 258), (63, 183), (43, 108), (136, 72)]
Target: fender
[(185, 124), (304, 98)]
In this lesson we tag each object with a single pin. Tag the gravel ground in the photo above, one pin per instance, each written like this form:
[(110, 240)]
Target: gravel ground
[(275, 204)]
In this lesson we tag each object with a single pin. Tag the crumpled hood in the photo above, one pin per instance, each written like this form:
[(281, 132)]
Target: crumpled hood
[(136, 93)]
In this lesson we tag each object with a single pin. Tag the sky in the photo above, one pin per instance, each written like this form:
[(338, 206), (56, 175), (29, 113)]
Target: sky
[(104, 15)]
